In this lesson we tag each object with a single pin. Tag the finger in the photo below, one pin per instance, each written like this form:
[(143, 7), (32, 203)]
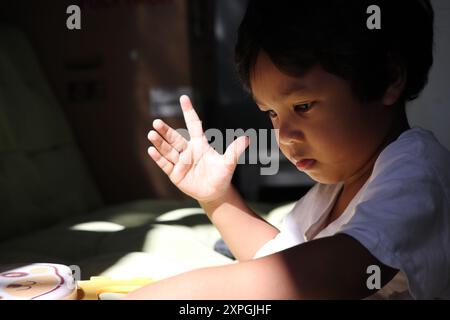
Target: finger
[(193, 123), (165, 149), (176, 140), (162, 162), (183, 165), (235, 149)]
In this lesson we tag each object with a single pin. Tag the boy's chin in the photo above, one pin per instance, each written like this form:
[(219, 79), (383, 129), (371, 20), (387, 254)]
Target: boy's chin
[(317, 177)]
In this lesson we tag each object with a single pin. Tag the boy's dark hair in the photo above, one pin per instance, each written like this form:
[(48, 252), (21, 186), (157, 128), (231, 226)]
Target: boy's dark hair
[(298, 34)]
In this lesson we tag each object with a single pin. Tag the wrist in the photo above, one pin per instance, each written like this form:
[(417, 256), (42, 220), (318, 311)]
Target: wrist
[(216, 202)]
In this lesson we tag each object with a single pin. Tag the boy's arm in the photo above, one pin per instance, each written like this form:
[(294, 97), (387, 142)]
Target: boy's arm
[(243, 230), (327, 268)]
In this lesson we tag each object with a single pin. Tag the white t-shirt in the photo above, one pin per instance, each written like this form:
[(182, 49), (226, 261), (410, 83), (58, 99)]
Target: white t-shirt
[(401, 215)]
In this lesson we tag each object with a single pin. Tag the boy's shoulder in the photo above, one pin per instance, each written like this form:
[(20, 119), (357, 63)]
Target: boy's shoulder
[(416, 151), (402, 214)]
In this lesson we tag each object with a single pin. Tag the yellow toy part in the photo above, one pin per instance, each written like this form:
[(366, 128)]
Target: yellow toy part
[(106, 288)]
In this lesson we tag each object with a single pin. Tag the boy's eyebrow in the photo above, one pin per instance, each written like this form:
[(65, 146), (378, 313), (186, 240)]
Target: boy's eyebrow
[(293, 88), (285, 92)]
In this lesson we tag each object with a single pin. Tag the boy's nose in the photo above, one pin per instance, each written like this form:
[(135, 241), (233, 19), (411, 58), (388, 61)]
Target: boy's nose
[(288, 135)]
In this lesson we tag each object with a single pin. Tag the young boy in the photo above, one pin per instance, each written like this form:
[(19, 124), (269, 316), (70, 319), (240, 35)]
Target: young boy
[(336, 90)]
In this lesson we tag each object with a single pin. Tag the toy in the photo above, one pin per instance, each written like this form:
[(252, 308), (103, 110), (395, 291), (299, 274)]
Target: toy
[(49, 281), (106, 288), (38, 281)]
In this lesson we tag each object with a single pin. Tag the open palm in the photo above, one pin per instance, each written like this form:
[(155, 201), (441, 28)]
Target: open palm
[(194, 166)]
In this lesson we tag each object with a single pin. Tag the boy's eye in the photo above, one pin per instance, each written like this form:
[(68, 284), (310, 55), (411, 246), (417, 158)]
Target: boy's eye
[(302, 107)]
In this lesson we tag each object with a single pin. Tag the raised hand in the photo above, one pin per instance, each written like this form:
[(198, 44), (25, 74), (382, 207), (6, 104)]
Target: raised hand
[(194, 166)]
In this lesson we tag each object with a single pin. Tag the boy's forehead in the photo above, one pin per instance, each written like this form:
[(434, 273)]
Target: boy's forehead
[(267, 78), (265, 73)]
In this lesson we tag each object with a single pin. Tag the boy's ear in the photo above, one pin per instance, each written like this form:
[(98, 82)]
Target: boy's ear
[(395, 89)]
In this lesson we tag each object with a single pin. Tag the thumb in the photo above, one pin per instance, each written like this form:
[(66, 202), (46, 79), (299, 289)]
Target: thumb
[(235, 149)]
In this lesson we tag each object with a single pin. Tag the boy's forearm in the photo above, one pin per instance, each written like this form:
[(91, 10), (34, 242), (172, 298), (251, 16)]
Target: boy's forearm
[(242, 229), (192, 285), (246, 280)]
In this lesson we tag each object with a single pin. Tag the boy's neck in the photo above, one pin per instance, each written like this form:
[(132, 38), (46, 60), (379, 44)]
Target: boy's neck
[(352, 186), (398, 125)]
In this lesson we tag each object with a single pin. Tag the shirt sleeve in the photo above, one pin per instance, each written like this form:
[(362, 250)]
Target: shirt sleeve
[(403, 220), (288, 236)]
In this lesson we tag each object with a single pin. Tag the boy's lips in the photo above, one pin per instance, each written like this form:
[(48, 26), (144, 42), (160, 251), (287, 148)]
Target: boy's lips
[(305, 164)]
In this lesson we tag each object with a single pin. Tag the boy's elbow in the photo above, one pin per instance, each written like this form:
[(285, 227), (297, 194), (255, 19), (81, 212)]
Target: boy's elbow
[(328, 268)]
